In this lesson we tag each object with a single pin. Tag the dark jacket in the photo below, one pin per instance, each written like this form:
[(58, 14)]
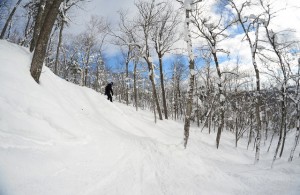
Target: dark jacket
[(108, 89)]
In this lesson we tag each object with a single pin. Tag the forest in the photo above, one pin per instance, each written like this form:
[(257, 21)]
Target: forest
[(224, 65)]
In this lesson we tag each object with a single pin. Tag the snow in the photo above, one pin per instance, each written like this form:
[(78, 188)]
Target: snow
[(193, 72), (187, 4), (222, 98), (59, 138)]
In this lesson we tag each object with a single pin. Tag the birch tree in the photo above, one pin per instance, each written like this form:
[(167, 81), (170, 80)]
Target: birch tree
[(213, 34), (249, 24), (187, 6), (280, 49)]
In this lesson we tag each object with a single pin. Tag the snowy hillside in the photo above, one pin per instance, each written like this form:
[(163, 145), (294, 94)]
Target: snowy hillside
[(57, 138)]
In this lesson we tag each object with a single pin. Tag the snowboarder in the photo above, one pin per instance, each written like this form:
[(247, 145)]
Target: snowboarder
[(108, 91)]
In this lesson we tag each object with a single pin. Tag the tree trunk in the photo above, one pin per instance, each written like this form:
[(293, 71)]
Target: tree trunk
[(197, 106), (189, 104), (220, 128), (39, 20), (86, 68), (250, 133), (271, 141), (162, 85), (26, 31), (134, 86), (42, 42), (277, 147), (154, 110), (296, 142), (258, 99), (58, 46), (127, 82), (298, 114), (253, 48), (209, 123), (221, 98), (155, 98), (9, 19), (283, 121), (267, 125), (236, 131)]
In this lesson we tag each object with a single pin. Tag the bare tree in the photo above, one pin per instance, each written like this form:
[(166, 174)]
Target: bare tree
[(4, 9), (279, 48), (148, 16), (296, 101), (126, 39), (92, 41), (42, 41), (178, 69), (206, 94), (187, 5), (9, 19), (31, 10), (164, 36), (135, 79), (214, 33), (63, 20), (252, 22)]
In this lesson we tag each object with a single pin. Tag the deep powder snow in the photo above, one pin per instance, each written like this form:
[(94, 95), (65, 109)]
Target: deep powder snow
[(59, 138)]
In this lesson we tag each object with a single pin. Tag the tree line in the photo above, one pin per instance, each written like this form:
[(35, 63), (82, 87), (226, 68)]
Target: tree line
[(174, 62)]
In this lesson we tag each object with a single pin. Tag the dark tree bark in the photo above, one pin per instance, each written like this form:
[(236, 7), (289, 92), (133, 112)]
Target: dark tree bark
[(42, 41), (297, 105), (39, 20), (127, 73), (163, 86), (155, 97), (148, 18), (135, 84), (58, 45), (251, 130), (164, 37)]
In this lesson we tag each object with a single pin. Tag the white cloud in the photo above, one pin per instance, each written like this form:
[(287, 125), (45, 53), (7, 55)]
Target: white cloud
[(287, 17), (107, 9)]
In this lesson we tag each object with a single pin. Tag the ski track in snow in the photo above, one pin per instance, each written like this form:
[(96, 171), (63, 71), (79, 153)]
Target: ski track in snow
[(58, 138)]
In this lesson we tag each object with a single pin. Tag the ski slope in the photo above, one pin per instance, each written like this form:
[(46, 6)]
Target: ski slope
[(59, 138)]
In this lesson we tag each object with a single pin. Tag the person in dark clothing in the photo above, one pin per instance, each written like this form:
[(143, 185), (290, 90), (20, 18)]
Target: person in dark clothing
[(108, 91)]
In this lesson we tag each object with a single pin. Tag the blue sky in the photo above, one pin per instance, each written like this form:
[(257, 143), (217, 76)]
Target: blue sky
[(288, 17)]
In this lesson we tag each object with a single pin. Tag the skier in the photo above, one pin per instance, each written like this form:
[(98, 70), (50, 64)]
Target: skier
[(108, 91)]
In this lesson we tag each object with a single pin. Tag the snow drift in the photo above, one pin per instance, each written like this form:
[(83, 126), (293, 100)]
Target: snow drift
[(59, 138)]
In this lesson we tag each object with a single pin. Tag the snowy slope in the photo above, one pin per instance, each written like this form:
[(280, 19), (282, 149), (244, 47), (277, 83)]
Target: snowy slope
[(59, 138)]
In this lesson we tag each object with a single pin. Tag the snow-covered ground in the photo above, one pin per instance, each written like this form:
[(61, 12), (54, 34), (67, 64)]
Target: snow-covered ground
[(59, 138)]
